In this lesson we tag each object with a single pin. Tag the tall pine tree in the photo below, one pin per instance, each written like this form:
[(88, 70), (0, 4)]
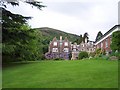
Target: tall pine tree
[(99, 35), (18, 39)]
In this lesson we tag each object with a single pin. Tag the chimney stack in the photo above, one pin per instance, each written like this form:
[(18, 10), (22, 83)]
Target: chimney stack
[(61, 38), (85, 40)]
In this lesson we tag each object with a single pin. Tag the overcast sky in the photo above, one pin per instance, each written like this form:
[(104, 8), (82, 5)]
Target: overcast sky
[(73, 16)]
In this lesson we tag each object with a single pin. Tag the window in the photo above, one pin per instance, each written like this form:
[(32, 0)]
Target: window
[(82, 49), (106, 43), (74, 46), (55, 43), (101, 45), (97, 46), (66, 43), (74, 50), (60, 43), (83, 45), (55, 50), (110, 39), (66, 50)]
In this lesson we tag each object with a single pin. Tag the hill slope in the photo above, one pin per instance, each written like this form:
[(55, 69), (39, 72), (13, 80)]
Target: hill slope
[(50, 33)]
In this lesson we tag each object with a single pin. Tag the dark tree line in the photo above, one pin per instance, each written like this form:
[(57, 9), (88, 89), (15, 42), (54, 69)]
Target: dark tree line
[(82, 38), (19, 41), (99, 35)]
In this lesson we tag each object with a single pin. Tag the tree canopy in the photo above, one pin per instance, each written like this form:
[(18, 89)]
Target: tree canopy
[(99, 35), (85, 36), (19, 41), (33, 3), (115, 45)]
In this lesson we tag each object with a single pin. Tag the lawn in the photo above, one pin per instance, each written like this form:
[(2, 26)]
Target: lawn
[(62, 74)]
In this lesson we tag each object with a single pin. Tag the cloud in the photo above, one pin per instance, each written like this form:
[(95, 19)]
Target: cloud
[(73, 16)]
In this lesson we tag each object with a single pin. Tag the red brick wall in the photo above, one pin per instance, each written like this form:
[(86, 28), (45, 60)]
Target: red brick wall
[(108, 40), (60, 49)]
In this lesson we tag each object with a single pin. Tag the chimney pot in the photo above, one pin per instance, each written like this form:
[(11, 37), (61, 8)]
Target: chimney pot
[(60, 37)]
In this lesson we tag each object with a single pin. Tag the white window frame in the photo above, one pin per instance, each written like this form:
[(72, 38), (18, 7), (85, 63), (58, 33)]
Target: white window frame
[(106, 43), (54, 49), (55, 43), (61, 43), (74, 46), (66, 50), (74, 50), (66, 43), (97, 46), (83, 45), (101, 44), (110, 39)]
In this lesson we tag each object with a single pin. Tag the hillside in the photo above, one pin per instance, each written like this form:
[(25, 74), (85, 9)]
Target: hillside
[(50, 33)]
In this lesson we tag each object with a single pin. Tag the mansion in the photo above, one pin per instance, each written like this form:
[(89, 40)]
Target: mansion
[(63, 48)]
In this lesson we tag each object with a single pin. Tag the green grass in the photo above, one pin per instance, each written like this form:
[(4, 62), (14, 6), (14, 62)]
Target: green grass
[(62, 74), (0, 78)]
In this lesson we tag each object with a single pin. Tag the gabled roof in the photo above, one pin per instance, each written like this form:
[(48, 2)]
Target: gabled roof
[(65, 39), (112, 29)]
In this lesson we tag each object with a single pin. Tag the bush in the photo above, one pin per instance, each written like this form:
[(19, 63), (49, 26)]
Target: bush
[(117, 54), (83, 55), (99, 52), (92, 54)]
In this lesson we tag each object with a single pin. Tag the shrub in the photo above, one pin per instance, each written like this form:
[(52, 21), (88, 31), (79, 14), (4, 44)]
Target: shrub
[(117, 54), (103, 52), (99, 52), (83, 55), (92, 54)]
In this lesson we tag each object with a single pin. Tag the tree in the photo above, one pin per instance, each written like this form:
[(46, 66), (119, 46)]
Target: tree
[(115, 45), (19, 41), (33, 3), (85, 36), (99, 35), (81, 38)]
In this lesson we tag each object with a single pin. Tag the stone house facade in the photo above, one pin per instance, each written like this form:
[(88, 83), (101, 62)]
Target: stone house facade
[(75, 51), (87, 47), (63, 49)]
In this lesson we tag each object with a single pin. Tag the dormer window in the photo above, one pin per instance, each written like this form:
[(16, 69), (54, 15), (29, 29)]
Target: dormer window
[(66, 43), (55, 44)]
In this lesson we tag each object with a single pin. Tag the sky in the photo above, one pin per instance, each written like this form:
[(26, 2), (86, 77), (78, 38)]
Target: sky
[(72, 16)]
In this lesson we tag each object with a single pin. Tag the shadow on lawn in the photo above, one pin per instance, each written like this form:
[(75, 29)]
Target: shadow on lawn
[(14, 64)]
